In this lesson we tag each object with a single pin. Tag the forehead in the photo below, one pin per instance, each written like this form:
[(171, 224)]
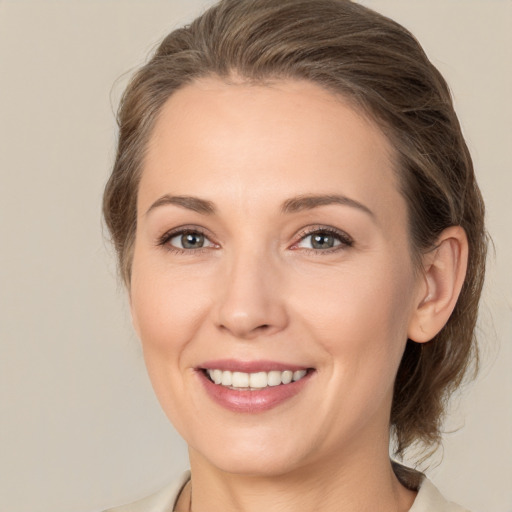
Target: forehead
[(246, 140)]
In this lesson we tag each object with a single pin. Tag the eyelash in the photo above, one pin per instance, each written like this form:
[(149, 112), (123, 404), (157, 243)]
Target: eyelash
[(163, 241), (344, 239)]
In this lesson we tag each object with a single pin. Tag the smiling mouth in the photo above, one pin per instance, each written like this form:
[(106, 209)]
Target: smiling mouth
[(242, 381)]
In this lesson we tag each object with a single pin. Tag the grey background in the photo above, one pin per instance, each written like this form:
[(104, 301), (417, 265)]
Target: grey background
[(79, 427)]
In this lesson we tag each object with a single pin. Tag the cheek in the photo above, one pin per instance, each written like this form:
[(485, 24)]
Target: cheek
[(361, 318), (167, 310), (166, 306)]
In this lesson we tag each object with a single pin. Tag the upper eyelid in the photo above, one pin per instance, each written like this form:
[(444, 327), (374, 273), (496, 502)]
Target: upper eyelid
[(324, 229), (171, 233), (301, 234)]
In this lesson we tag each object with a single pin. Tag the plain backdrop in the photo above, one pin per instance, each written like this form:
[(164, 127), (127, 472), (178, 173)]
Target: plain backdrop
[(80, 428)]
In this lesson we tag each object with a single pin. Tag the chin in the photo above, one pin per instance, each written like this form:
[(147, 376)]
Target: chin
[(252, 456), (257, 467)]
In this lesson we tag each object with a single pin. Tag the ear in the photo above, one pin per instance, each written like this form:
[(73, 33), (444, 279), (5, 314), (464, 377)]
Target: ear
[(444, 270)]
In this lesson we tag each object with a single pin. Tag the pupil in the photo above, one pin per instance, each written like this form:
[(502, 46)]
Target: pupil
[(192, 241), (323, 241)]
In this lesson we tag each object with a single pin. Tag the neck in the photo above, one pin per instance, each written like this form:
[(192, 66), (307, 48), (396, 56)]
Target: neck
[(361, 483)]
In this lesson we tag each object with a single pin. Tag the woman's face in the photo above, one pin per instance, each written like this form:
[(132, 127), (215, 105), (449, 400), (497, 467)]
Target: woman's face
[(271, 244)]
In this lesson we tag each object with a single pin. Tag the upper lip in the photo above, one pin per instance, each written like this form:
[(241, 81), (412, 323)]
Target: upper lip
[(250, 366)]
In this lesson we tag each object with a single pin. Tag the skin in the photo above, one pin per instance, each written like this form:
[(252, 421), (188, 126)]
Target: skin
[(258, 289)]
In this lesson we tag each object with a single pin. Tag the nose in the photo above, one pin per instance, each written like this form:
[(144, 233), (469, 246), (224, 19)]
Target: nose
[(251, 300)]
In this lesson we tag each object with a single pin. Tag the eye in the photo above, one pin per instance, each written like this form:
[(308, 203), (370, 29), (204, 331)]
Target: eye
[(186, 240), (324, 239)]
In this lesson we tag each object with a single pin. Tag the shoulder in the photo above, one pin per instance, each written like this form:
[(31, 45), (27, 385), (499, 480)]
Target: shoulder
[(162, 501), (429, 499)]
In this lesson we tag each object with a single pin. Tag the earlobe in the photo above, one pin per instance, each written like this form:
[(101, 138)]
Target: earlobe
[(444, 270)]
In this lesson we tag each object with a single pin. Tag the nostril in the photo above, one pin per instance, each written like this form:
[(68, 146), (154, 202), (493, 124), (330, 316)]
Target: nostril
[(263, 328), (244, 331)]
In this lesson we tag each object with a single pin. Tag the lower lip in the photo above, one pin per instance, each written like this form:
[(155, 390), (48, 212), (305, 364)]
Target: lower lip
[(252, 401)]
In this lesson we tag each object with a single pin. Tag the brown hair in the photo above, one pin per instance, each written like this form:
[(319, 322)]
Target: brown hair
[(381, 68)]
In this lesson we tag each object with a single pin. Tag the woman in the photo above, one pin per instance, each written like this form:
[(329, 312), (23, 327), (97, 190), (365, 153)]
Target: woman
[(301, 236)]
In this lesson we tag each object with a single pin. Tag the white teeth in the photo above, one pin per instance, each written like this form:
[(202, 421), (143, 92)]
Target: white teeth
[(299, 374), (274, 378), (240, 380), (217, 376), (227, 378), (287, 377), (258, 380)]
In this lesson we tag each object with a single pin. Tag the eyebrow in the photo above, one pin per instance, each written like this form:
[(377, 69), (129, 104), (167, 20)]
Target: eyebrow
[(292, 205), (189, 202), (308, 202)]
